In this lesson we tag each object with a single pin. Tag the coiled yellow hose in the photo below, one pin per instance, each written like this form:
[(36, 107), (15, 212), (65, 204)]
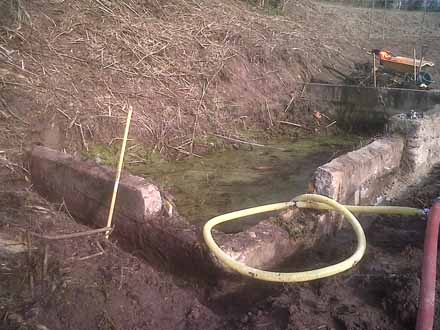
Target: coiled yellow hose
[(303, 201)]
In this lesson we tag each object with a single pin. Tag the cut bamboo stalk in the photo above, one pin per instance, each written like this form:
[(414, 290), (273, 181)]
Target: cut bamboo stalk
[(118, 173), (374, 70), (420, 65), (415, 66), (384, 19)]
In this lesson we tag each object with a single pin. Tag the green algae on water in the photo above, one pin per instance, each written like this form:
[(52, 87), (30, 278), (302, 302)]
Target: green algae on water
[(231, 180)]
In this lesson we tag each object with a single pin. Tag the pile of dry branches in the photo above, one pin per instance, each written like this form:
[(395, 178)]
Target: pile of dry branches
[(188, 67), (182, 65)]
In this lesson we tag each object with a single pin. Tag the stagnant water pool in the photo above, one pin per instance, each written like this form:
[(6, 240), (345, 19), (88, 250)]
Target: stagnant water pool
[(231, 180)]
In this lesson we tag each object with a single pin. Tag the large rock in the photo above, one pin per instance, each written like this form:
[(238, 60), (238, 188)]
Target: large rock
[(262, 246), (87, 188)]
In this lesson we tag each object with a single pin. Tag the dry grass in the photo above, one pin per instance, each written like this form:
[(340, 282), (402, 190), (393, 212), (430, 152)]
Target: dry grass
[(189, 68), (15, 13)]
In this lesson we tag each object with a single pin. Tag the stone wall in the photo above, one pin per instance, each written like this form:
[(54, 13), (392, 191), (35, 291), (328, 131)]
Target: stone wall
[(368, 108), (87, 188), (363, 176), (358, 177), (391, 101), (139, 219), (352, 178), (422, 136), (141, 223)]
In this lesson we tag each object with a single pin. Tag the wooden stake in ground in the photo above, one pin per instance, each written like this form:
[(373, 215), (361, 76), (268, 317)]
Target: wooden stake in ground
[(415, 66), (384, 25), (374, 70), (118, 173), (370, 25), (422, 57)]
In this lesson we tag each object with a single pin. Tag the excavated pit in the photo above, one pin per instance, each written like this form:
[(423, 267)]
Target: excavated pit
[(141, 221), (115, 288)]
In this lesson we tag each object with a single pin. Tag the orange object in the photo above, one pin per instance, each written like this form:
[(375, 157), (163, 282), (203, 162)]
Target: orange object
[(399, 63), (403, 64), (384, 55)]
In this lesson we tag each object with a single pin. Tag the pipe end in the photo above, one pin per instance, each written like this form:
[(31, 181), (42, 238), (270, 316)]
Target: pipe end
[(426, 212)]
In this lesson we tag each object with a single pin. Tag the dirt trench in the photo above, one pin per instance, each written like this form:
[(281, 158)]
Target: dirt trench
[(89, 283)]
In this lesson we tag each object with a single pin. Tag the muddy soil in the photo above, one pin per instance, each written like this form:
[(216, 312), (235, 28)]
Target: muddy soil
[(380, 293), (82, 283), (89, 283)]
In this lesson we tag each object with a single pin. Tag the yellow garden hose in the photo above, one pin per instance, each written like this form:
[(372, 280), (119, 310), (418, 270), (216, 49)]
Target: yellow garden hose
[(302, 201), (385, 210)]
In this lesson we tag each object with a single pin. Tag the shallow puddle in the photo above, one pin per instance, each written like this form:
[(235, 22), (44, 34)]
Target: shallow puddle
[(231, 180)]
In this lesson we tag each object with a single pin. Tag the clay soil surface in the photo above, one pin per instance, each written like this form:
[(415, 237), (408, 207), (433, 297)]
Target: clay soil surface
[(190, 69), (89, 283), (82, 283)]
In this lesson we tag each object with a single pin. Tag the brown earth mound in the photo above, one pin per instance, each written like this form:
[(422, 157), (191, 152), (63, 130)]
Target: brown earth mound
[(189, 68)]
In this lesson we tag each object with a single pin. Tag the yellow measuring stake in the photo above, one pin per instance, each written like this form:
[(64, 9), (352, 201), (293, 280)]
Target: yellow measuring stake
[(118, 173)]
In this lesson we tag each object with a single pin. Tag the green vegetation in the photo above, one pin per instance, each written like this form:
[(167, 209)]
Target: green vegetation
[(294, 229), (231, 179)]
